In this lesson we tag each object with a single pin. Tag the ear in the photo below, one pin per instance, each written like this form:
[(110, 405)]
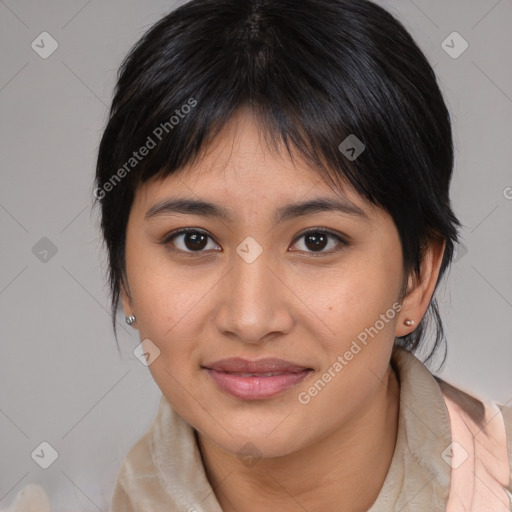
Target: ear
[(420, 291), (126, 300)]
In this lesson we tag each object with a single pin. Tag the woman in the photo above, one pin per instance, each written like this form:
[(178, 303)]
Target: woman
[(274, 191)]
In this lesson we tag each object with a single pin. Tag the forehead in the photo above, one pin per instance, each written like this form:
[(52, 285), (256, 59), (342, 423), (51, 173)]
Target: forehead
[(239, 168), (242, 152)]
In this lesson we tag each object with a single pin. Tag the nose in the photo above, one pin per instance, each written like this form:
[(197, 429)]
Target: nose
[(254, 302)]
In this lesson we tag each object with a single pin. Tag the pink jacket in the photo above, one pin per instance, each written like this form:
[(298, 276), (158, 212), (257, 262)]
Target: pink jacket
[(480, 459)]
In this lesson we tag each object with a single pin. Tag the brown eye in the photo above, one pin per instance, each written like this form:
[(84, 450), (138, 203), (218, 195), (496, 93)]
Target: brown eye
[(195, 241), (316, 240), (188, 240)]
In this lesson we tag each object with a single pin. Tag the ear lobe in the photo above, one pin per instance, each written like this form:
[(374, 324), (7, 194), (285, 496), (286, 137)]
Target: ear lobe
[(420, 291), (126, 299)]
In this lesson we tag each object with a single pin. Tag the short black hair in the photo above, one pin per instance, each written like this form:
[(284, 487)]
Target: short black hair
[(314, 72)]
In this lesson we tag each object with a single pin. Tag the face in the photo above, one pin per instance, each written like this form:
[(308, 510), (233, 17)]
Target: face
[(315, 287)]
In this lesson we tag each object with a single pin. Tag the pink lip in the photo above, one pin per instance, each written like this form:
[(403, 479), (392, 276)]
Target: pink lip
[(228, 375), (241, 365)]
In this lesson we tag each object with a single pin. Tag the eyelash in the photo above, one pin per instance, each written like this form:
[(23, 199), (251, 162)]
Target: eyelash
[(170, 236)]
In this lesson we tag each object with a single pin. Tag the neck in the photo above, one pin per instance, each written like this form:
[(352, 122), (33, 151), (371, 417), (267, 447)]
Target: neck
[(349, 466)]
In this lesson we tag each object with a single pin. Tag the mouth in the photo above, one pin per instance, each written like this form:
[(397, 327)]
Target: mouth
[(256, 380)]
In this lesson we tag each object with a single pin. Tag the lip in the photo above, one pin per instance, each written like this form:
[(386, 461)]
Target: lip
[(241, 365), (231, 375)]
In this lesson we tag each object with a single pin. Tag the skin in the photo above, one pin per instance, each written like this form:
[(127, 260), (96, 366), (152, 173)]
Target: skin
[(293, 302)]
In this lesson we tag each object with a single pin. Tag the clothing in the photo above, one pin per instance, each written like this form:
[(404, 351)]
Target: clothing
[(163, 471), (31, 498)]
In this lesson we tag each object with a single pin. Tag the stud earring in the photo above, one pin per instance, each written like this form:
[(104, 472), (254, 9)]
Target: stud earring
[(130, 319), (409, 322)]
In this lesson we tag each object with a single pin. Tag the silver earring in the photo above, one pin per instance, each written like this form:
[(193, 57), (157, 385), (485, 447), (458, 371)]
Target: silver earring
[(130, 319), (409, 322)]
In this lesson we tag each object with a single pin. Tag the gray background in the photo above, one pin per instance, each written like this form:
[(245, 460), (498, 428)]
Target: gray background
[(62, 380)]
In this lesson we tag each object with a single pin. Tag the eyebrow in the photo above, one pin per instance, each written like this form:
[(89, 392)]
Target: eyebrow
[(181, 205)]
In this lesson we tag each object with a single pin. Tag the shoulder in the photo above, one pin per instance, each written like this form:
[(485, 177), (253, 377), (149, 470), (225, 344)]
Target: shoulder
[(479, 429), (31, 497), (506, 411), (490, 426)]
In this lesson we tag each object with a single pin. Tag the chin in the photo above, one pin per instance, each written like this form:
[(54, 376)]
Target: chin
[(249, 441)]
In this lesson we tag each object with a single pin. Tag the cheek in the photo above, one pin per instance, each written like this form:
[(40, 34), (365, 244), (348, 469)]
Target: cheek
[(167, 299), (169, 307), (353, 297), (359, 306)]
